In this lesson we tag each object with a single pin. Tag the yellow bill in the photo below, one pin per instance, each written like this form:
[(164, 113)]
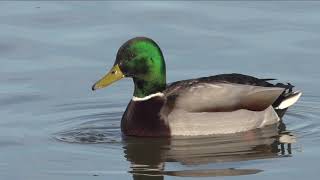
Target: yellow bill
[(113, 75)]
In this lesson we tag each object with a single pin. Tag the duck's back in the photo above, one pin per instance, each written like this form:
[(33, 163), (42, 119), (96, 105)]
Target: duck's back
[(223, 93)]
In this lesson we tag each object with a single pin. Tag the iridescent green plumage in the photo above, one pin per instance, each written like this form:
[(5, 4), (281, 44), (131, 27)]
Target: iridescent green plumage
[(142, 59)]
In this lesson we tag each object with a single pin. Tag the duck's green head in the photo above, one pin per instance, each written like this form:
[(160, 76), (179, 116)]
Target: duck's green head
[(141, 59)]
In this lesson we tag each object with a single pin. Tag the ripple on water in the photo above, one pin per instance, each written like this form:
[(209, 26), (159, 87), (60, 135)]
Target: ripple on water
[(90, 135), (304, 117), (90, 122)]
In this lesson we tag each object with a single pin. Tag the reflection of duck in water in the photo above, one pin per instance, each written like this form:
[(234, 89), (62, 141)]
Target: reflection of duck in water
[(148, 157), (221, 104)]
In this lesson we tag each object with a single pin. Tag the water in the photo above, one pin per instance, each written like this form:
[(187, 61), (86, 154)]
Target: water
[(53, 127)]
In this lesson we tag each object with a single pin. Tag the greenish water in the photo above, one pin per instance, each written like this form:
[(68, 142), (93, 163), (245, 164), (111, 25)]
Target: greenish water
[(53, 126)]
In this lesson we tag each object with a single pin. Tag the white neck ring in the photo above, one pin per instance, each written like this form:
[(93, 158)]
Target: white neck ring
[(158, 94)]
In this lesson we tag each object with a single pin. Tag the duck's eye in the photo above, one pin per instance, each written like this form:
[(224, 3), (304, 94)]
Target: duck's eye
[(113, 72)]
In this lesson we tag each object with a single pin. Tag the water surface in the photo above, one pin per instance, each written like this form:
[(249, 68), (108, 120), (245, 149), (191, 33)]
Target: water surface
[(53, 127)]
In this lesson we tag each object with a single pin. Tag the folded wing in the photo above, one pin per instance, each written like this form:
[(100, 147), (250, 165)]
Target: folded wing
[(217, 97)]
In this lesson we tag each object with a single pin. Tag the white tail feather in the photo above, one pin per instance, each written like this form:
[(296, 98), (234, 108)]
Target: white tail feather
[(289, 101)]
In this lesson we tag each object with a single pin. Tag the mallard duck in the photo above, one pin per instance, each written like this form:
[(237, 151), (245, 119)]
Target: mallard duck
[(220, 104)]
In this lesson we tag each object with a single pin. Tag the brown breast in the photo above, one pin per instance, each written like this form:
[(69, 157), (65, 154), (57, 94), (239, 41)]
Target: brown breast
[(142, 118)]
